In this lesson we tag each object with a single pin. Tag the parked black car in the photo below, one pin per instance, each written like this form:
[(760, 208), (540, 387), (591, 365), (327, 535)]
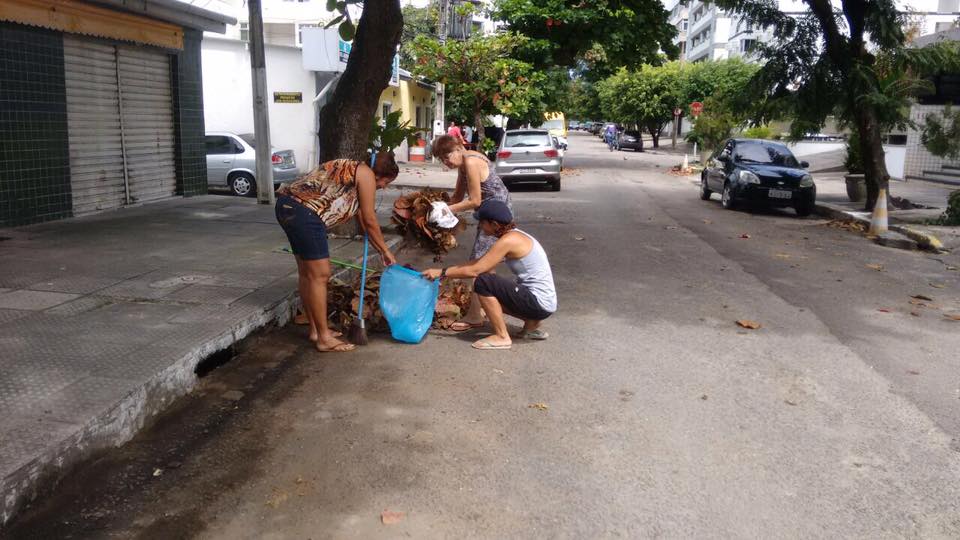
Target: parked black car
[(631, 139), (758, 171)]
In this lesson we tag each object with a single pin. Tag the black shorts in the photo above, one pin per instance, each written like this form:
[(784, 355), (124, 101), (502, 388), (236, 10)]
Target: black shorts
[(305, 230), (515, 299)]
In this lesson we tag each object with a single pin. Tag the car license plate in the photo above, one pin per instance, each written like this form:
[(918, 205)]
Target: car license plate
[(780, 194), (524, 171)]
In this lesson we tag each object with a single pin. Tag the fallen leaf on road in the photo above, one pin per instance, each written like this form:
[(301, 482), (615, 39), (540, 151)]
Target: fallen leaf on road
[(913, 372), (952, 317), (883, 310), (745, 236), (788, 402), (157, 472), (279, 497), (938, 285), (953, 268), (877, 267), (921, 297), (498, 371), (918, 302), (752, 325), (578, 238), (915, 313), (782, 256), (539, 406), (703, 397), (390, 518), (299, 480), (707, 221), (671, 228)]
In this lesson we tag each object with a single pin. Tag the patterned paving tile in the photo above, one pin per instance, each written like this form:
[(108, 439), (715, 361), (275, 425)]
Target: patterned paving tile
[(7, 315), (25, 437), (35, 300), (80, 305), (209, 294), (79, 284)]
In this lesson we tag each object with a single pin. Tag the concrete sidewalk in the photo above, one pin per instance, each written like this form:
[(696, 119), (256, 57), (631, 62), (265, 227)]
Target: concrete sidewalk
[(104, 319)]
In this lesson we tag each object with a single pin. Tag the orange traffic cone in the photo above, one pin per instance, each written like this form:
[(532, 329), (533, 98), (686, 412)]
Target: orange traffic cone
[(878, 221)]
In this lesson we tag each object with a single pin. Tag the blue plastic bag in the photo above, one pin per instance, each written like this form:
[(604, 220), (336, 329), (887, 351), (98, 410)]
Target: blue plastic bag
[(408, 302)]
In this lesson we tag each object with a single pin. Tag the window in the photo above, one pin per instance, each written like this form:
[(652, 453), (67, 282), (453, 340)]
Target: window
[(686, 24), (948, 6), (220, 144), (943, 26), (527, 139), (385, 111), (244, 31), (748, 45), (419, 113), (300, 27), (765, 154)]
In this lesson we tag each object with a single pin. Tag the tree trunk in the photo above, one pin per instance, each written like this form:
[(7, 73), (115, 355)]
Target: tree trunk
[(346, 120), (655, 133), (640, 135), (871, 148), (478, 128)]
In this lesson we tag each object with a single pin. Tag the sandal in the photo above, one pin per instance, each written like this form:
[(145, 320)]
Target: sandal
[(463, 326), (537, 334), (339, 347), (485, 345)]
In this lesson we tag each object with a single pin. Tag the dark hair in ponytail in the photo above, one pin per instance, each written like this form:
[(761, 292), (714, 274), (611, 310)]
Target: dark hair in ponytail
[(385, 165)]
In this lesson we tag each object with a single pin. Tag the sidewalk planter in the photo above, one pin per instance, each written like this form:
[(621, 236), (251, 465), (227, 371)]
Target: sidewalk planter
[(856, 187)]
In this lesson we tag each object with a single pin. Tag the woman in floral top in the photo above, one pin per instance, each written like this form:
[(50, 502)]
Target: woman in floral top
[(325, 197)]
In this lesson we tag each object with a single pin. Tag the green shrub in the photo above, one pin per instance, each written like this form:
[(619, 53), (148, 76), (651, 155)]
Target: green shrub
[(853, 161), (758, 132), (951, 216)]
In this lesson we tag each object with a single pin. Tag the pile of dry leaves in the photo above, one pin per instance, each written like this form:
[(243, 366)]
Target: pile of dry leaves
[(452, 304), (854, 226), (410, 214), (343, 303)]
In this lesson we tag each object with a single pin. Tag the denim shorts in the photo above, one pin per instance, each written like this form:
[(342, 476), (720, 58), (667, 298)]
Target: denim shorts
[(305, 230)]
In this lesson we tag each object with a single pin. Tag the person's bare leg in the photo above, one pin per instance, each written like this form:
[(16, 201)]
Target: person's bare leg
[(318, 274), (303, 287), (495, 314), (530, 326)]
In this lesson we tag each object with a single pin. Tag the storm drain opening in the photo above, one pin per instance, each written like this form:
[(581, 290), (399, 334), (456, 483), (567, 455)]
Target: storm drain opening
[(215, 360)]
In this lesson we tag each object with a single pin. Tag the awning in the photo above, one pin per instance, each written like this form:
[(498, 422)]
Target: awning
[(74, 17)]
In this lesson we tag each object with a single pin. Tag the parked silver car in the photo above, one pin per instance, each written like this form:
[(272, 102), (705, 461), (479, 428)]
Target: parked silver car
[(529, 155), (232, 162)]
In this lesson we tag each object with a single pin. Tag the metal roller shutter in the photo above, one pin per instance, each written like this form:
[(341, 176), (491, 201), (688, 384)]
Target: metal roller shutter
[(93, 124), (147, 108)]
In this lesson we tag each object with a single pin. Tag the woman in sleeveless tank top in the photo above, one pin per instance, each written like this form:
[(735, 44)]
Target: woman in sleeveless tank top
[(531, 297), (477, 182)]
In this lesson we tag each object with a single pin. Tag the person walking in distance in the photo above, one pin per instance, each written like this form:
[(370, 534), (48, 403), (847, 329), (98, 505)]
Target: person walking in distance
[(455, 132)]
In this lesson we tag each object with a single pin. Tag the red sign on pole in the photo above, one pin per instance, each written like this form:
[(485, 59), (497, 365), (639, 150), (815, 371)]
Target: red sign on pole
[(696, 108)]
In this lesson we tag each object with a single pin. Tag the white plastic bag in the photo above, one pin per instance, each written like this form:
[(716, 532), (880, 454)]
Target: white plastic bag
[(442, 216)]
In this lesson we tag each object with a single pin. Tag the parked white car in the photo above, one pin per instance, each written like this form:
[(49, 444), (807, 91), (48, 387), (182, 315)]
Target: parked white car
[(232, 162), (529, 155)]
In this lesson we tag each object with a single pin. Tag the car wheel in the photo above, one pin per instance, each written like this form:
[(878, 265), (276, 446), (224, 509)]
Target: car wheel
[(804, 209), (705, 193), (727, 199), (243, 185), (555, 184)]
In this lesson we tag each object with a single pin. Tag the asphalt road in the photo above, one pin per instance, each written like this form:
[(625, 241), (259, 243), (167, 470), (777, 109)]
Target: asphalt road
[(662, 417)]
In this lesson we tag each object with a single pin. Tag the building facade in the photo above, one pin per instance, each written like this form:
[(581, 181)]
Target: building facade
[(102, 105), (706, 32)]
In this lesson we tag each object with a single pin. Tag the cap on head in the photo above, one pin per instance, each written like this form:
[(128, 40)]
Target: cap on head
[(494, 210)]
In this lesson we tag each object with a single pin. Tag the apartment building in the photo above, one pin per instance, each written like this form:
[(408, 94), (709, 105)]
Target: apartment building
[(711, 33)]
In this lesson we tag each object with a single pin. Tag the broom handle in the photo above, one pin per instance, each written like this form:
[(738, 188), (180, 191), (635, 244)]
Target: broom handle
[(366, 248), (363, 275)]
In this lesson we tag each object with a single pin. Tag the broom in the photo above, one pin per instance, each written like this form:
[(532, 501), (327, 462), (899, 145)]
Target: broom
[(357, 334), (358, 328)]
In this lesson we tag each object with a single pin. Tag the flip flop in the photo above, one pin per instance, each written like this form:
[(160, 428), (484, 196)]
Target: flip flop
[(465, 326), (485, 345), (335, 334), (537, 334), (339, 348)]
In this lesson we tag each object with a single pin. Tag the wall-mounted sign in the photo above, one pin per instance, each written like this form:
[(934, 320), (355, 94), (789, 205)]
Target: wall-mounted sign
[(324, 51), (288, 97)]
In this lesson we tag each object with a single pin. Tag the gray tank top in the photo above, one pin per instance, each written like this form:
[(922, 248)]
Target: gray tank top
[(533, 272)]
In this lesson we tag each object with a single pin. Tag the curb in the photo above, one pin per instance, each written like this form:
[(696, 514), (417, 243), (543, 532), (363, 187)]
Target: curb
[(119, 423), (924, 240)]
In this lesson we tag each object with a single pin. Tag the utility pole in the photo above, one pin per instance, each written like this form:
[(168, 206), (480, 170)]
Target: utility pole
[(438, 113), (261, 115)]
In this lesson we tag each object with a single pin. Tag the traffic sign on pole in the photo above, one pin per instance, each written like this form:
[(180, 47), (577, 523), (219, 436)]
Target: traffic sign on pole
[(696, 108)]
